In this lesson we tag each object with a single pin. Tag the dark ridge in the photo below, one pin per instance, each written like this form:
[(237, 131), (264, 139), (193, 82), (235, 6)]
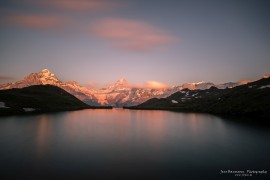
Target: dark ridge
[(39, 99), (249, 100)]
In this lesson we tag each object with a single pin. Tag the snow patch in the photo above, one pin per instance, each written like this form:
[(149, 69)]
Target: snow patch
[(29, 109), (174, 101), (3, 105), (262, 87), (200, 82)]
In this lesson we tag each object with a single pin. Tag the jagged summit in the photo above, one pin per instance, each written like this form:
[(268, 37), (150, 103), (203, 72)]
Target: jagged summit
[(45, 71), (122, 81)]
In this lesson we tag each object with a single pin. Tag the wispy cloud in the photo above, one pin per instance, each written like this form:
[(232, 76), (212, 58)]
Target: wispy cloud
[(75, 5), (130, 34), (92, 85), (37, 21), (6, 78)]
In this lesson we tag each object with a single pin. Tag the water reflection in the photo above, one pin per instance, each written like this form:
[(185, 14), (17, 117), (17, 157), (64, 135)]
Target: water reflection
[(119, 126), (44, 131), (124, 143)]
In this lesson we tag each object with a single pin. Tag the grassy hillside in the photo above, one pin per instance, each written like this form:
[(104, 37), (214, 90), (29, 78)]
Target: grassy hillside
[(40, 98)]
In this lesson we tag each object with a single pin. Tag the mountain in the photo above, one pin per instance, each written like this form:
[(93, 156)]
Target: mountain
[(251, 99), (45, 77), (37, 99), (121, 93), (198, 85), (121, 84), (41, 78), (117, 94)]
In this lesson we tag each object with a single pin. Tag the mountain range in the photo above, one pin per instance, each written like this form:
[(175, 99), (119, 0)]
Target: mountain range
[(117, 94), (251, 99)]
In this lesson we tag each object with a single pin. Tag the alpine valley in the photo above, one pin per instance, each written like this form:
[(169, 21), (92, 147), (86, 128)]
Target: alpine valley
[(117, 94)]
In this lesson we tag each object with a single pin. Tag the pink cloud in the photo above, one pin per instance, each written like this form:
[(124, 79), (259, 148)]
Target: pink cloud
[(130, 35), (37, 21), (156, 85), (150, 85), (76, 5)]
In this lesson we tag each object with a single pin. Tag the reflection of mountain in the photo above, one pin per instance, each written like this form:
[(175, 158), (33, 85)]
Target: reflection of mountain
[(252, 99), (117, 94)]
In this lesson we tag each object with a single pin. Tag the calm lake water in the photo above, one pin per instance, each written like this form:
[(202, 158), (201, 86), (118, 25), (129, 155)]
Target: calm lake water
[(130, 144)]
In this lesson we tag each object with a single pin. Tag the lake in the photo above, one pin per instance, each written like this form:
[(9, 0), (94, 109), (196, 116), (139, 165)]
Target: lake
[(130, 144)]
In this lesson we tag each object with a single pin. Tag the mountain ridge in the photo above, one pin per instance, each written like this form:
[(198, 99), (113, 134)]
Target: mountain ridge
[(251, 99), (117, 94)]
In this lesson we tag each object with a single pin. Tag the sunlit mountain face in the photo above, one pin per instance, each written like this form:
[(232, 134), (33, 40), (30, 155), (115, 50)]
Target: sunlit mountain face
[(117, 94)]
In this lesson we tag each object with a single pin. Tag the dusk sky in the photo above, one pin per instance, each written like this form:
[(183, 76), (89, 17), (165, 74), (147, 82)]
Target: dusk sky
[(168, 41)]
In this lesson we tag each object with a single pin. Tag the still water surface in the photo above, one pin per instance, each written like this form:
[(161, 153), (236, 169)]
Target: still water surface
[(129, 144)]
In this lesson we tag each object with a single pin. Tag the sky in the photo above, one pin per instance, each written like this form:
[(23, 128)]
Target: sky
[(171, 42)]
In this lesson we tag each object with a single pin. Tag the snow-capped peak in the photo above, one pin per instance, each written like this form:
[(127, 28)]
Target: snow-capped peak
[(46, 73), (122, 81), (45, 70), (120, 84), (200, 82), (40, 78)]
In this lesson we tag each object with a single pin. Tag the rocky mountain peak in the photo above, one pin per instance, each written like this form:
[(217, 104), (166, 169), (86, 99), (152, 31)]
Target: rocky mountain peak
[(122, 81), (46, 72), (119, 84)]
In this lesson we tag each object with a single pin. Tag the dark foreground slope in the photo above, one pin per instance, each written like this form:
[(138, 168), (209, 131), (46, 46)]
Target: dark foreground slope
[(40, 98), (252, 99)]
